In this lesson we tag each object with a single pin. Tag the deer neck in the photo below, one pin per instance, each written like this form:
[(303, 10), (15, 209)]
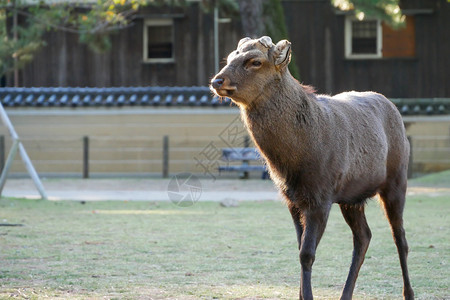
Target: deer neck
[(283, 126), (284, 103)]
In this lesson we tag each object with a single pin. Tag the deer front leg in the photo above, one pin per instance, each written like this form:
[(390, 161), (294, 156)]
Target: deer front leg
[(314, 222), (356, 219)]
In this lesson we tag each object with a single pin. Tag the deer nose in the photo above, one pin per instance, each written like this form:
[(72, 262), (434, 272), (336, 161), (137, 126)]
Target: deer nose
[(217, 83)]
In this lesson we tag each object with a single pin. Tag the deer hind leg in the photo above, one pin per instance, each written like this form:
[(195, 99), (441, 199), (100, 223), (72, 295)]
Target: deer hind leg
[(296, 217), (393, 199), (356, 219)]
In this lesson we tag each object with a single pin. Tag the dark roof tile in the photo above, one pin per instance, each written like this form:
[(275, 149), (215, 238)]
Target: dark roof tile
[(192, 96)]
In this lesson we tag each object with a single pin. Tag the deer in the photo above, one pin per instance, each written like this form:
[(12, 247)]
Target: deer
[(321, 150)]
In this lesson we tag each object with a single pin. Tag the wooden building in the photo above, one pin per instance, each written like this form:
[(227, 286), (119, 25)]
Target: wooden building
[(163, 46), (334, 51)]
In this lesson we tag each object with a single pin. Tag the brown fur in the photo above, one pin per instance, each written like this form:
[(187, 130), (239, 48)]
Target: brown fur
[(320, 150)]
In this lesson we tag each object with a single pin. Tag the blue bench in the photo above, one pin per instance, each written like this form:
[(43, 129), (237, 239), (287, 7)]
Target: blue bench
[(245, 155)]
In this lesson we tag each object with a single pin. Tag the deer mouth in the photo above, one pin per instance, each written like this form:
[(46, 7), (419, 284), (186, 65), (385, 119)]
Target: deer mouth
[(225, 91)]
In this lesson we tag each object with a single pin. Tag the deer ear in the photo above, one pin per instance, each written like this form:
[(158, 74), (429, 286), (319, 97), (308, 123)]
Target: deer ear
[(266, 41), (282, 53), (242, 41)]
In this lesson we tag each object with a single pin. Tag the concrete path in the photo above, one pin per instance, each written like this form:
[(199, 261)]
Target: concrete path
[(143, 189), (162, 189)]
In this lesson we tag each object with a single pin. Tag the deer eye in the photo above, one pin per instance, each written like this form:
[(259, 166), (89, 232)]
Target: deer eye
[(256, 63), (252, 63)]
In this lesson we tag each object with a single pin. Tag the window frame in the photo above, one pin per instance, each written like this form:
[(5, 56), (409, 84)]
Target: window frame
[(349, 37), (158, 22)]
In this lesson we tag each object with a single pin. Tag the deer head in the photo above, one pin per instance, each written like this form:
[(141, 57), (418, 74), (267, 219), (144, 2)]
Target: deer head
[(251, 69)]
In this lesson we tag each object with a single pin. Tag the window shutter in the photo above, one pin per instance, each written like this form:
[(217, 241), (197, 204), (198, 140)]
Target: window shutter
[(399, 43)]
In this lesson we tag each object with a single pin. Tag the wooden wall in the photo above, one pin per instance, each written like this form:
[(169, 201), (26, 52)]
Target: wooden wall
[(125, 141), (129, 141)]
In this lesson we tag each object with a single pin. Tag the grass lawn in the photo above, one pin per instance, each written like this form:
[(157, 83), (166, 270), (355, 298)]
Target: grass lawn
[(144, 250)]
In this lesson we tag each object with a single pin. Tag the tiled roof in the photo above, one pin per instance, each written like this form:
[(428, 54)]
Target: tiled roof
[(111, 96), (423, 106), (164, 96)]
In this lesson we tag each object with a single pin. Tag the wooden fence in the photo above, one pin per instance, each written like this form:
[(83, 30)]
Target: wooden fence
[(161, 142)]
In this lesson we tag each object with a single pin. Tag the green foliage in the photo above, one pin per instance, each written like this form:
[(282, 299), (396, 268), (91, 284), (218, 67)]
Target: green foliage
[(15, 53), (386, 10), (104, 17), (93, 25)]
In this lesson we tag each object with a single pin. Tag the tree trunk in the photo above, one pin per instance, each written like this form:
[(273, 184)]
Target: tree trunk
[(251, 17)]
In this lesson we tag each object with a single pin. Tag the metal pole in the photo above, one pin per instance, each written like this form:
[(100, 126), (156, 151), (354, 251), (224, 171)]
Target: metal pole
[(410, 163), (245, 174), (85, 157), (23, 154), (2, 152), (15, 37), (165, 170), (216, 39), (8, 123), (26, 160), (9, 161)]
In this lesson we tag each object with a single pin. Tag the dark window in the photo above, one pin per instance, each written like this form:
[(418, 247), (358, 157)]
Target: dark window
[(158, 40), (364, 37)]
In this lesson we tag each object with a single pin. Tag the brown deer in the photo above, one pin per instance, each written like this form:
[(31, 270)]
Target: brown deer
[(321, 150)]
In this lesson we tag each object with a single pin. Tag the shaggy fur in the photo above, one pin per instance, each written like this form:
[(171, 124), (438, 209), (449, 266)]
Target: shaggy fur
[(320, 150)]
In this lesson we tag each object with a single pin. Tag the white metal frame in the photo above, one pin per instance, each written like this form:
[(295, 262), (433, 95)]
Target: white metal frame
[(157, 22), (348, 40), (17, 145)]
